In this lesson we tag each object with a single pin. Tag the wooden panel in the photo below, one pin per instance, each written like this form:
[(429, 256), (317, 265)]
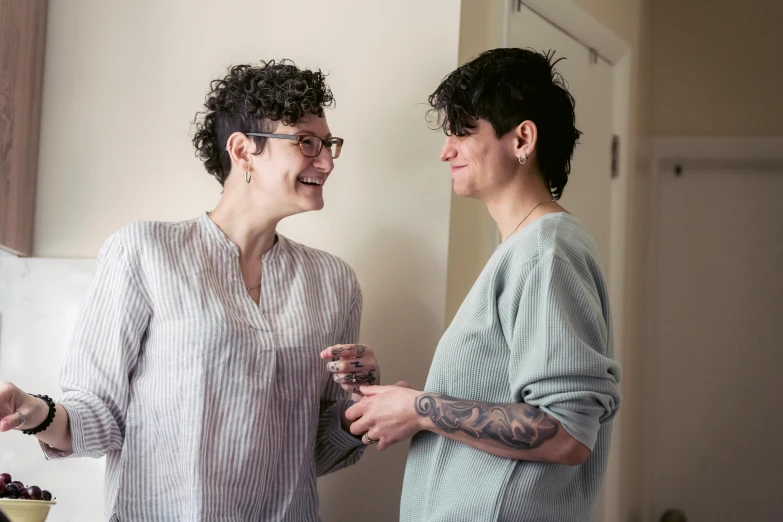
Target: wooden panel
[(22, 38)]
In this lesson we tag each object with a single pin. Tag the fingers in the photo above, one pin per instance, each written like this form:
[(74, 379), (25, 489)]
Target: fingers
[(10, 422), (403, 384), (346, 351), (354, 412), (8, 405), (348, 365), (371, 439), (368, 440), (356, 378), (360, 426)]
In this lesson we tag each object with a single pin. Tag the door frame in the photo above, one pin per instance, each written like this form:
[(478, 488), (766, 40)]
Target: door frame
[(666, 153), (572, 19)]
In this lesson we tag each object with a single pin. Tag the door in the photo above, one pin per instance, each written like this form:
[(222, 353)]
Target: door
[(715, 368), (589, 78)]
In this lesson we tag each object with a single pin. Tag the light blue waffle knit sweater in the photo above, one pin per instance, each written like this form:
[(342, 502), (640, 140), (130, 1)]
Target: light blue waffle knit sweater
[(535, 328)]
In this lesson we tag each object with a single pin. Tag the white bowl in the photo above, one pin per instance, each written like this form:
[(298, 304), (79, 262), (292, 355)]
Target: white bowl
[(25, 510)]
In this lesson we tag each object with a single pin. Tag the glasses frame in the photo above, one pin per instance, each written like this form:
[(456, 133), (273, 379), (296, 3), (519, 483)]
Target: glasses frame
[(300, 138)]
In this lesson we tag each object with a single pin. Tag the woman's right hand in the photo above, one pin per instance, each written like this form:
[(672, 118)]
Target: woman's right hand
[(13, 400)]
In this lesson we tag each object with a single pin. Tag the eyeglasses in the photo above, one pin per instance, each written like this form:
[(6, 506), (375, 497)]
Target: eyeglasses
[(309, 145)]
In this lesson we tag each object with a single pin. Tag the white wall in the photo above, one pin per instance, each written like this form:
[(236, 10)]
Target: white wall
[(122, 83), (39, 303)]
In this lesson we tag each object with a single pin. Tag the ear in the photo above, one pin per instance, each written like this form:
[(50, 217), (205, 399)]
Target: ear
[(525, 139), (239, 148)]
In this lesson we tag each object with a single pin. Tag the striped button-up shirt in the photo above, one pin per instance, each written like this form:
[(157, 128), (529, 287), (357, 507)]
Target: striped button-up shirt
[(206, 405)]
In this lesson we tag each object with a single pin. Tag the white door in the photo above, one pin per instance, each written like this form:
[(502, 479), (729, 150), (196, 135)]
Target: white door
[(715, 424), (588, 192)]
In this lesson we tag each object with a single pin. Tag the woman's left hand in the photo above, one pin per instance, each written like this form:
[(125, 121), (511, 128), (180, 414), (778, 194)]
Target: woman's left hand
[(352, 366)]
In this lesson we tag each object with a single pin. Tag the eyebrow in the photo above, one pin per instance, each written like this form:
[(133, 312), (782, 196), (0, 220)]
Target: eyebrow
[(311, 133)]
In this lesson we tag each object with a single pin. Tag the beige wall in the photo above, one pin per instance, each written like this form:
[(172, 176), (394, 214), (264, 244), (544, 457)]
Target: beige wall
[(695, 72), (123, 81), (621, 16), (716, 71)]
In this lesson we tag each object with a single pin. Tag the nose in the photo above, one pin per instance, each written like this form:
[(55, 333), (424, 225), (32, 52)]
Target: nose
[(324, 161), (448, 151)]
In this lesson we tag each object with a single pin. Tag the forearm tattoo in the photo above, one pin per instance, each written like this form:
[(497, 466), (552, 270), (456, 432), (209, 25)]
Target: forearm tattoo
[(518, 426)]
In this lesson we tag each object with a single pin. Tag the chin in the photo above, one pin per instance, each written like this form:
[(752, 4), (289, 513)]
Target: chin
[(463, 190), (313, 205)]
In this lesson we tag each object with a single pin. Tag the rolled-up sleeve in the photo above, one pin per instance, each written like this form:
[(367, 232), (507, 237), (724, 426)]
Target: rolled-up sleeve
[(102, 355), (336, 448), (561, 356)]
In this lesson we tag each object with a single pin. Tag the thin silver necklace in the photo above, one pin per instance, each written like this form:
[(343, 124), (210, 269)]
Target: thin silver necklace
[(523, 220), (249, 289)]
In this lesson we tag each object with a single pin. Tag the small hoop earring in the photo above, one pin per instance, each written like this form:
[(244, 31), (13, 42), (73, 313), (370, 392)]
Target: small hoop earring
[(247, 176), (523, 161)]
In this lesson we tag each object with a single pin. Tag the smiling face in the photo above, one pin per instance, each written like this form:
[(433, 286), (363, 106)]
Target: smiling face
[(283, 180), (481, 163), (267, 98)]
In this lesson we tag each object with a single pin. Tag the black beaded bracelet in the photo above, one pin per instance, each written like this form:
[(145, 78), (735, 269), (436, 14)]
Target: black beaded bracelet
[(49, 418)]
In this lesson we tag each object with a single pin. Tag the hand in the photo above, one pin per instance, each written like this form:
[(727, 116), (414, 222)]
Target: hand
[(386, 414), (352, 366), (12, 399)]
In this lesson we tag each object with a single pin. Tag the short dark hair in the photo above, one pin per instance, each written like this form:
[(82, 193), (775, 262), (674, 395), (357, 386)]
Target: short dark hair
[(253, 98), (506, 87)]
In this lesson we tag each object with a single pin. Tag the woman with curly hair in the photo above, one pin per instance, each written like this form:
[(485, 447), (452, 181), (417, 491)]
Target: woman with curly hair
[(195, 367)]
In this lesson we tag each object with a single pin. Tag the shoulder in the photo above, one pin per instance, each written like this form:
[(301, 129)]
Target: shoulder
[(554, 240), (558, 235), (326, 266), (144, 238)]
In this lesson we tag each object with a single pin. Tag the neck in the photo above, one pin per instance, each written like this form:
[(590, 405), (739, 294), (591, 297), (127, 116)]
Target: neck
[(245, 225), (509, 206)]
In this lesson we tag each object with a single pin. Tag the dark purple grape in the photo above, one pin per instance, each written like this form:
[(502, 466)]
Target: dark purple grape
[(6, 478), (19, 484), (34, 492), (2, 489), (11, 490), (23, 495), (45, 495)]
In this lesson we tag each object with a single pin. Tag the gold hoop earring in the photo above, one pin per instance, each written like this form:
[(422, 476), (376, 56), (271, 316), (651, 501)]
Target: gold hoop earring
[(247, 176)]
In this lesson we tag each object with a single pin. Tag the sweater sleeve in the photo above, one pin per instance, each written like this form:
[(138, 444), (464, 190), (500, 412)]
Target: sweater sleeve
[(561, 348)]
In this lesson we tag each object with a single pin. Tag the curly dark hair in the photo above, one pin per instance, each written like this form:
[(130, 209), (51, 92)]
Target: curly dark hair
[(506, 87), (253, 98)]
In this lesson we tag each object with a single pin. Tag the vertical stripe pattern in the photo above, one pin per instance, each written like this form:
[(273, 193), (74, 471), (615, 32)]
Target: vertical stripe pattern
[(207, 406)]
